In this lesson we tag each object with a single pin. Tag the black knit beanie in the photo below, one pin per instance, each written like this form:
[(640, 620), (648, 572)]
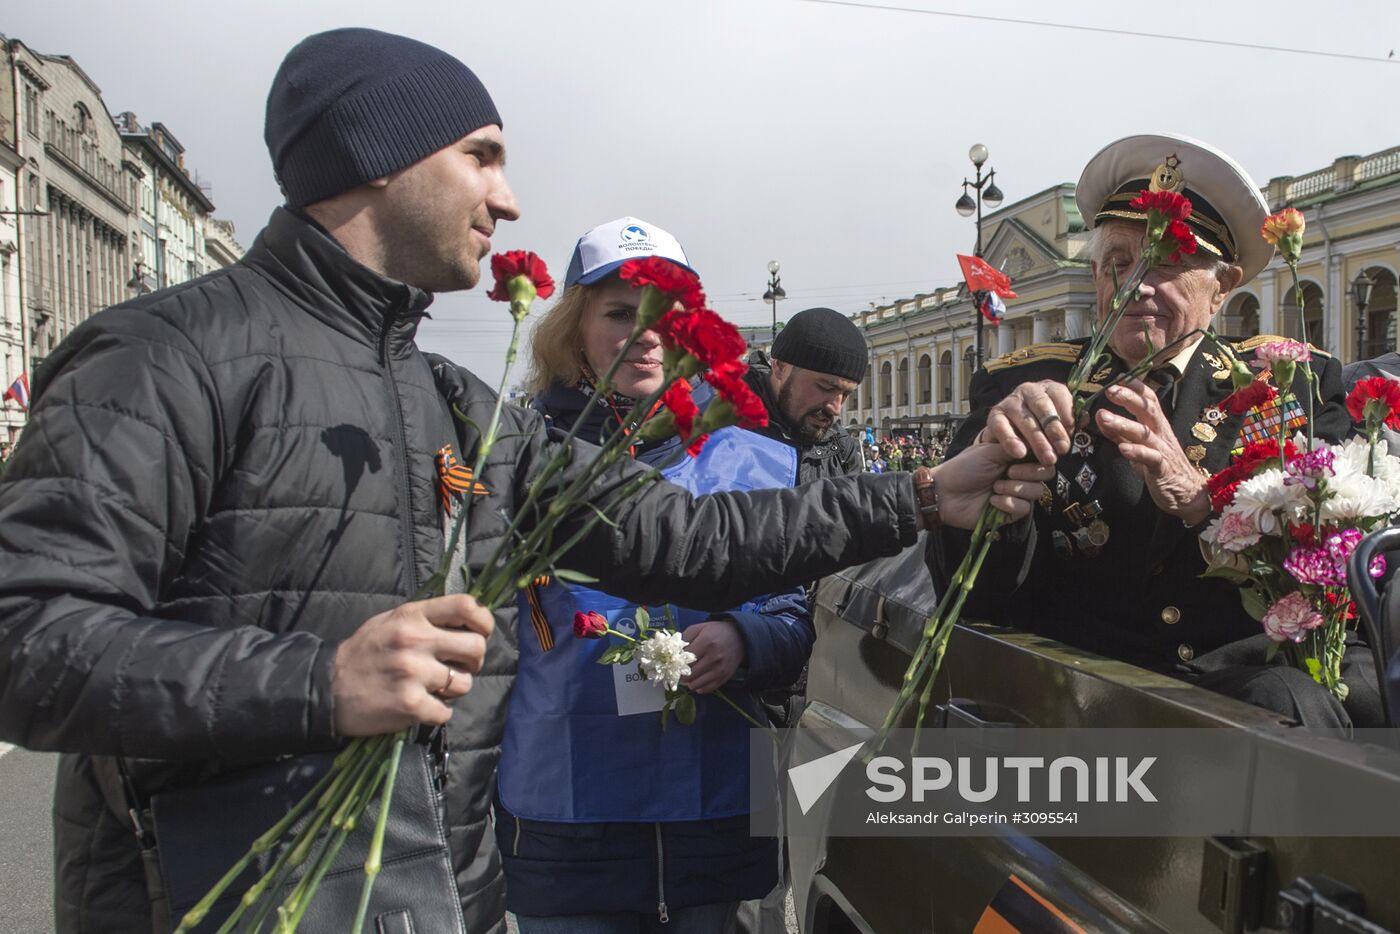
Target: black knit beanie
[(352, 105), (825, 341)]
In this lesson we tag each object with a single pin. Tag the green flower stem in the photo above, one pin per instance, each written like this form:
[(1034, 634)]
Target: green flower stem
[(261, 845), (745, 714), (263, 891), (373, 861)]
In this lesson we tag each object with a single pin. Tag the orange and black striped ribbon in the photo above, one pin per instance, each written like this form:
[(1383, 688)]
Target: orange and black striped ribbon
[(1017, 909), (537, 618), (454, 478)]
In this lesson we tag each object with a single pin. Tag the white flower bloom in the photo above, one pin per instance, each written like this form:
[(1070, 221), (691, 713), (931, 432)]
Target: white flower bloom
[(664, 659), (1269, 502)]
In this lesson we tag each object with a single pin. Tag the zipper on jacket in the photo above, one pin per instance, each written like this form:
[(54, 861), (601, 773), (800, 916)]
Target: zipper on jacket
[(661, 879), (406, 508)]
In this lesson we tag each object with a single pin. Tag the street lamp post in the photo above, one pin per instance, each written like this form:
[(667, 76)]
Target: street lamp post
[(966, 206), (1360, 293), (775, 292)]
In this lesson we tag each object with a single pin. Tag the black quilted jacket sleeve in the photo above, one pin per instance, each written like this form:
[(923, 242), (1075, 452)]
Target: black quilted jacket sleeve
[(714, 552)]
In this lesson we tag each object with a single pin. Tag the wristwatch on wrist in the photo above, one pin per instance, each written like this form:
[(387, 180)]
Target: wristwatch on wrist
[(926, 496)]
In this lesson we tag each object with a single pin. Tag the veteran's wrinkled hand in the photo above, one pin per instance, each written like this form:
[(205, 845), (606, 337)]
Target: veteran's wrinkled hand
[(1147, 441), (1035, 419)]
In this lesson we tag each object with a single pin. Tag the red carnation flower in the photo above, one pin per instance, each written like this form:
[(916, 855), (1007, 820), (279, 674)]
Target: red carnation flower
[(737, 403), (669, 278), (1224, 496), (590, 625), (1379, 395), (702, 334), (506, 266), (1185, 239), (1302, 533), (682, 407), (698, 442), (1252, 396), (1174, 206)]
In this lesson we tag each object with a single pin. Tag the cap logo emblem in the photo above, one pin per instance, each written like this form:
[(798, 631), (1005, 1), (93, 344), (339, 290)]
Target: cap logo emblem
[(1167, 176), (634, 233)]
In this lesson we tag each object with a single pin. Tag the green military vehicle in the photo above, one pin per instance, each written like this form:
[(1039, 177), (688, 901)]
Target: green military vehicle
[(868, 621)]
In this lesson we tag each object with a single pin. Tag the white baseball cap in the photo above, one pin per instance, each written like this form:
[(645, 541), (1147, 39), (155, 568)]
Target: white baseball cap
[(606, 247)]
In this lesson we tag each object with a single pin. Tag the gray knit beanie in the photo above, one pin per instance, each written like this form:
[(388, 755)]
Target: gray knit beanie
[(352, 105)]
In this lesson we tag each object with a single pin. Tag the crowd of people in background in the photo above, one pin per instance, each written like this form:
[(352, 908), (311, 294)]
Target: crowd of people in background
[(903, 452)]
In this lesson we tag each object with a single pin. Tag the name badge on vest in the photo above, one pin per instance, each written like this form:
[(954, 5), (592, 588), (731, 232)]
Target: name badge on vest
[(635, 694)]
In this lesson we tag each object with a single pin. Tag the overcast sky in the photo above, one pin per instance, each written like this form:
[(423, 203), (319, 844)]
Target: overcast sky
[(829, 137)]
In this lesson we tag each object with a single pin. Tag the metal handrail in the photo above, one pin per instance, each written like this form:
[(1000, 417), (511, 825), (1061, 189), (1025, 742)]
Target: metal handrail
[(1368, 604)]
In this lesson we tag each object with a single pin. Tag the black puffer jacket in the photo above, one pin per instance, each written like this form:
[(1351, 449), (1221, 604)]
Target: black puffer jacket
[(220, 481)]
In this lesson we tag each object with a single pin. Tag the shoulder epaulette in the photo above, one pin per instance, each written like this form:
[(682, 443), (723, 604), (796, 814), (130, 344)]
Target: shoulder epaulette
[(1252, 343), (1036, 353)]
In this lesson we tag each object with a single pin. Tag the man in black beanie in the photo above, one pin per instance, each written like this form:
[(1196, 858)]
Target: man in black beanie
[(230, 491), (819, 359)]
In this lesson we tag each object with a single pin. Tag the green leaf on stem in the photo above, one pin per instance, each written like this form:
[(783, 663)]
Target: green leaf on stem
[(613, 655), (685, 708), (1226, 572), (643, 619), (1271, 651), (1256, 602), (574, 577)]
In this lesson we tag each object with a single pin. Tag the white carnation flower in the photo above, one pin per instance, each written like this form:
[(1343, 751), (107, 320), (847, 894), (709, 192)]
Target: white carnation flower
[(664, 659), (1269, 502)]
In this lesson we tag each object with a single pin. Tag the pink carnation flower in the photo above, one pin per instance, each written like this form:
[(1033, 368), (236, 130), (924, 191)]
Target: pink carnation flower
[(1238, 530), (1291, 618), (1282, 352)]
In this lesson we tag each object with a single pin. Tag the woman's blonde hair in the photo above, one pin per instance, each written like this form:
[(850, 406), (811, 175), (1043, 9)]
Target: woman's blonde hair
[(556, 348)]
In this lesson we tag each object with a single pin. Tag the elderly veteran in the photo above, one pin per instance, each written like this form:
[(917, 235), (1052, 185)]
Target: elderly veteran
[(1110, 560)]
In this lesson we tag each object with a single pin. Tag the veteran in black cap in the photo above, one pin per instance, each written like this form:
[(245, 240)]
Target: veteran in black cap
[(1109, 560)]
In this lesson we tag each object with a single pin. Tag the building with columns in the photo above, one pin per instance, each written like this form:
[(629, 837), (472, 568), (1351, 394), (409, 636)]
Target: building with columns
[(172, 210), (92, 212), (12, 330), (922, 349), (76, 194)]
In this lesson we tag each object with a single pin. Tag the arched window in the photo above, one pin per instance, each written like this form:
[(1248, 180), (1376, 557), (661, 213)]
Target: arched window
[(865, 396), (1380, 314), (945, 376), (925, 379), (904, 381), (886, 383), (1241, 318), (969, 364), (1312, 314)]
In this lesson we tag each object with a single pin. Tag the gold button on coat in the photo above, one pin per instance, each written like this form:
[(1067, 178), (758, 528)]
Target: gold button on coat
[(1171, 615), (1185, 652)]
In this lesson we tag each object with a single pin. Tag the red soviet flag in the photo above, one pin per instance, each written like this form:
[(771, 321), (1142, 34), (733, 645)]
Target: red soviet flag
[(981, 277)]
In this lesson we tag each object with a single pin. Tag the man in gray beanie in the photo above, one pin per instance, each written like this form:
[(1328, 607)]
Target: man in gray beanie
[(231, 490)]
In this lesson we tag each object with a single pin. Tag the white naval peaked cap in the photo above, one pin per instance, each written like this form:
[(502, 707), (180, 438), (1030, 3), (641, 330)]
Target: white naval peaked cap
[(606, 247), (1226, 207)]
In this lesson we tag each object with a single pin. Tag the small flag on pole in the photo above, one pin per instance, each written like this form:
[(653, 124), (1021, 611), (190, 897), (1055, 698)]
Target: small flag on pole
[(993, 309), (981, 277), (19, 391)]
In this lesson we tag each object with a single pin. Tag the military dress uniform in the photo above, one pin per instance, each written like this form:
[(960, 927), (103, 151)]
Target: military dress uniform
[(1098, 565)]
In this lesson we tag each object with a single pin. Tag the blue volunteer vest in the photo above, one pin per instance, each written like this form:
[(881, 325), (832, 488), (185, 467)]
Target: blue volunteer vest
[(576, 746)]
